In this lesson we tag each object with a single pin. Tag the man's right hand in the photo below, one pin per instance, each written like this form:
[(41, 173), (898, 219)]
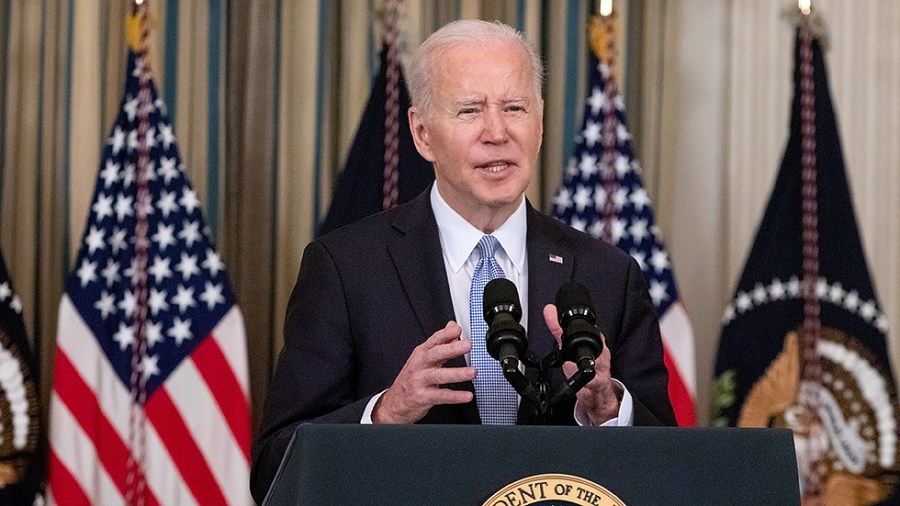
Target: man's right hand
[(418, 386)]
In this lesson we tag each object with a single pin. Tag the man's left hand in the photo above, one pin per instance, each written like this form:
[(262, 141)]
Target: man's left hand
[(600, 397)]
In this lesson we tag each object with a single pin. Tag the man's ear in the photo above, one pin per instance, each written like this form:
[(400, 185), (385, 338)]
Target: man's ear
[(420, 134), (541, 125)]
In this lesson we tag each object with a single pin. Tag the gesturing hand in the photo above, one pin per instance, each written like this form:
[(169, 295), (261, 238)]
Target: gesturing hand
[(418, 385), (599, 397)]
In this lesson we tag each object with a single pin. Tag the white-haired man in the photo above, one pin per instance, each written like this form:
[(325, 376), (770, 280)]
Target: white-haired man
[(384, 324)]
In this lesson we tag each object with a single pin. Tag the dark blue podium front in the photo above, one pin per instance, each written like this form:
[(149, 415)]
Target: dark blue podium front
[(465, 465)]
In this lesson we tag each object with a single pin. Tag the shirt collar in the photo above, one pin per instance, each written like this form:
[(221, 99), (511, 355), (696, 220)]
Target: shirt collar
[(459, 237)]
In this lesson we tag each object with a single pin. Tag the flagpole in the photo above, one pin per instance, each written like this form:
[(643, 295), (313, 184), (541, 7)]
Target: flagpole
[(138, 380), (812, 323), (391, 189), (603, 45)]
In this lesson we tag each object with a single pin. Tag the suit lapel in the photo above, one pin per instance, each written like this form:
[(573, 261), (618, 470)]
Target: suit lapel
[(416, 254), (550, 265)]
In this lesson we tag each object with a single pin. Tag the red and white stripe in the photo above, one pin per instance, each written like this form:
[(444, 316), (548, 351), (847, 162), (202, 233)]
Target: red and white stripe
[(198, 432), (678, 346)]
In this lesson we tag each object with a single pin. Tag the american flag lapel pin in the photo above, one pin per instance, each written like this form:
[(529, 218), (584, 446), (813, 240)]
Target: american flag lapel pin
[(556, 259)]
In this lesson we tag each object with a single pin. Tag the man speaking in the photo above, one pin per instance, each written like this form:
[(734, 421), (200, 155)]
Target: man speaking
[(385, 322)]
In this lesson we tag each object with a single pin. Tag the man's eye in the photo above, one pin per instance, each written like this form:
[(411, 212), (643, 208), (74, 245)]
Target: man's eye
[(516, 108), (468, 110)]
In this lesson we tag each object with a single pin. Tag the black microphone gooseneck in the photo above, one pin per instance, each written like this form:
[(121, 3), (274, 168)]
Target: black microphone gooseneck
[(506, 341)]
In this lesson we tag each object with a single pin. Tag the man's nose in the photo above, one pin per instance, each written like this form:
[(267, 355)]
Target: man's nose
[(495, 131)]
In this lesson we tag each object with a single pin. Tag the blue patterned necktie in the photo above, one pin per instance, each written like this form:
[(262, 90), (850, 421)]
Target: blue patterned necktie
[(496, 398)]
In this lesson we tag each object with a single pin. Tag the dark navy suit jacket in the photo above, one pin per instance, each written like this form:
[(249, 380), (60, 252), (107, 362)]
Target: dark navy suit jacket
[(368, 293)]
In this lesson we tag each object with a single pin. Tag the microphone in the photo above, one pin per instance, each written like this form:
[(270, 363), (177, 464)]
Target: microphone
[(505, 339), (581, 338)]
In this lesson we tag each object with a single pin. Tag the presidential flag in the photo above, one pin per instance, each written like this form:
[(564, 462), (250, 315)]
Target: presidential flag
[(383, 168), (804, 340), (20, 467), (603, 194), (150, 393)]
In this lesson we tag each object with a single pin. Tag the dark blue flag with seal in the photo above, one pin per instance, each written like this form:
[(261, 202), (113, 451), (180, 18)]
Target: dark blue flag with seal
[(804, 340), (21, 470), (359, 189)]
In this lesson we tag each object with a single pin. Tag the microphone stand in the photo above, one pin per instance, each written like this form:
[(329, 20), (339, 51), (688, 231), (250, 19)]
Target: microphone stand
[(537, 393)]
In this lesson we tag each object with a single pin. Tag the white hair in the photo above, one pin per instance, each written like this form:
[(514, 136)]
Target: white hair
[(465, 31)]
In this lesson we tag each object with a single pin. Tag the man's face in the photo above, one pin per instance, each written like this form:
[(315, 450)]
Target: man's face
[(484, 130)]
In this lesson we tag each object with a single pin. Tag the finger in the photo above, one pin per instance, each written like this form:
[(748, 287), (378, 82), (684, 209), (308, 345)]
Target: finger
[(445, 375), (441, 353), (448, 396), (426, 397), (603, 361), (551, 317), (448, 334)]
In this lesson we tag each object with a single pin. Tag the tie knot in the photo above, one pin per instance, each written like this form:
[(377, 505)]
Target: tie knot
[(487, 246)]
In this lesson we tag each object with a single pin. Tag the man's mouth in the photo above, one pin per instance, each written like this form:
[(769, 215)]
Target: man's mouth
[(494, 167)]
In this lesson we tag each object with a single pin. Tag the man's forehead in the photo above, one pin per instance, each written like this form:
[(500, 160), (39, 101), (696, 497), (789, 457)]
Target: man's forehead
[(458, 62), (478, 47), (481, 98)]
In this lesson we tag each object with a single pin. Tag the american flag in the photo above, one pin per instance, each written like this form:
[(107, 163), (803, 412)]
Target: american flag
[(150, 393), (603, 195)]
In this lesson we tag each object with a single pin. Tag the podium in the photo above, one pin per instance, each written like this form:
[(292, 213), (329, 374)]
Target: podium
[(468, 464)]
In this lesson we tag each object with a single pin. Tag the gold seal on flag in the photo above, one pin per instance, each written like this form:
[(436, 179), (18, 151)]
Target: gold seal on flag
[(849, 440)]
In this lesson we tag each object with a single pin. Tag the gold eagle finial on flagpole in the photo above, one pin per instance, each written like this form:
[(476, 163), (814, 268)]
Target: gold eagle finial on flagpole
[(602, 33), (133, 31)]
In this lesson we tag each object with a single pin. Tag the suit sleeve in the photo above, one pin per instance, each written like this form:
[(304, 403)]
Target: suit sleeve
[(637, 360), (317, 338)]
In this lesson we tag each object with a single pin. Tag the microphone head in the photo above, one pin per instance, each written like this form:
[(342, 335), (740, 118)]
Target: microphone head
[(573, 299), (500, 295), (581, 337)]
